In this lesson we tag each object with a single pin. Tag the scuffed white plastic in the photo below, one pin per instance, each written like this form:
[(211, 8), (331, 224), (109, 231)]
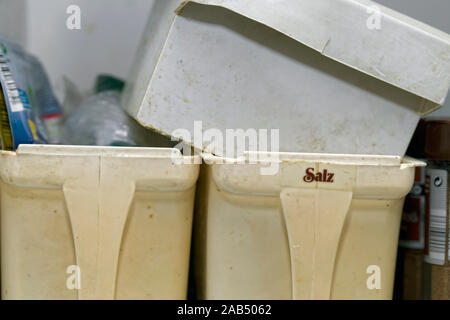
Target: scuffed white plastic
[(315, 230), (122, 215), (316, 70)]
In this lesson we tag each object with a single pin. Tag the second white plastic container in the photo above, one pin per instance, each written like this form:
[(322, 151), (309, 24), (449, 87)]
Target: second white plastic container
[(323, 227), (95, 223), (313, 69)]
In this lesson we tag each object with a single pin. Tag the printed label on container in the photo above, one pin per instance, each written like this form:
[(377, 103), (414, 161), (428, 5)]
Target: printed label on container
[(53, 125), (436, 229), (323, 176)]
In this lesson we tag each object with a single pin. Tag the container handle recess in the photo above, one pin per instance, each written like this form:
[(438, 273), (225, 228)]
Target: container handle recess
[(314, 220), (98, 214)]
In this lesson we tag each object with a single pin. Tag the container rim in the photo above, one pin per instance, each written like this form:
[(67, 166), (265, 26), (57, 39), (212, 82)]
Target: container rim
[(129, 152), (323, 158)]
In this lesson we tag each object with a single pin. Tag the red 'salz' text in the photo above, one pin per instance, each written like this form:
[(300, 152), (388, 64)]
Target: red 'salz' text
[(323, 176)]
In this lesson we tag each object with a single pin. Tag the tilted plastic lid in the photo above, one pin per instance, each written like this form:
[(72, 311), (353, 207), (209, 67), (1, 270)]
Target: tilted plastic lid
[(401, 51), (437, 145)]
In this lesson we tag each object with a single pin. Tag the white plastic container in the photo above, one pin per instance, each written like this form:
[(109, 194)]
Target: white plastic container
[(335, 76), (289, 236), (122, 215)]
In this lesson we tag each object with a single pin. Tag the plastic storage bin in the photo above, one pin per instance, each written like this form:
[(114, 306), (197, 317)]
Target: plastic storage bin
[(335, 76), (122, 215), (324, 227)]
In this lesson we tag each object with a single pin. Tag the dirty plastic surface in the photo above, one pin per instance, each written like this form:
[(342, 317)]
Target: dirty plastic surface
[(123, 215), (312, 69), (319, 229)]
